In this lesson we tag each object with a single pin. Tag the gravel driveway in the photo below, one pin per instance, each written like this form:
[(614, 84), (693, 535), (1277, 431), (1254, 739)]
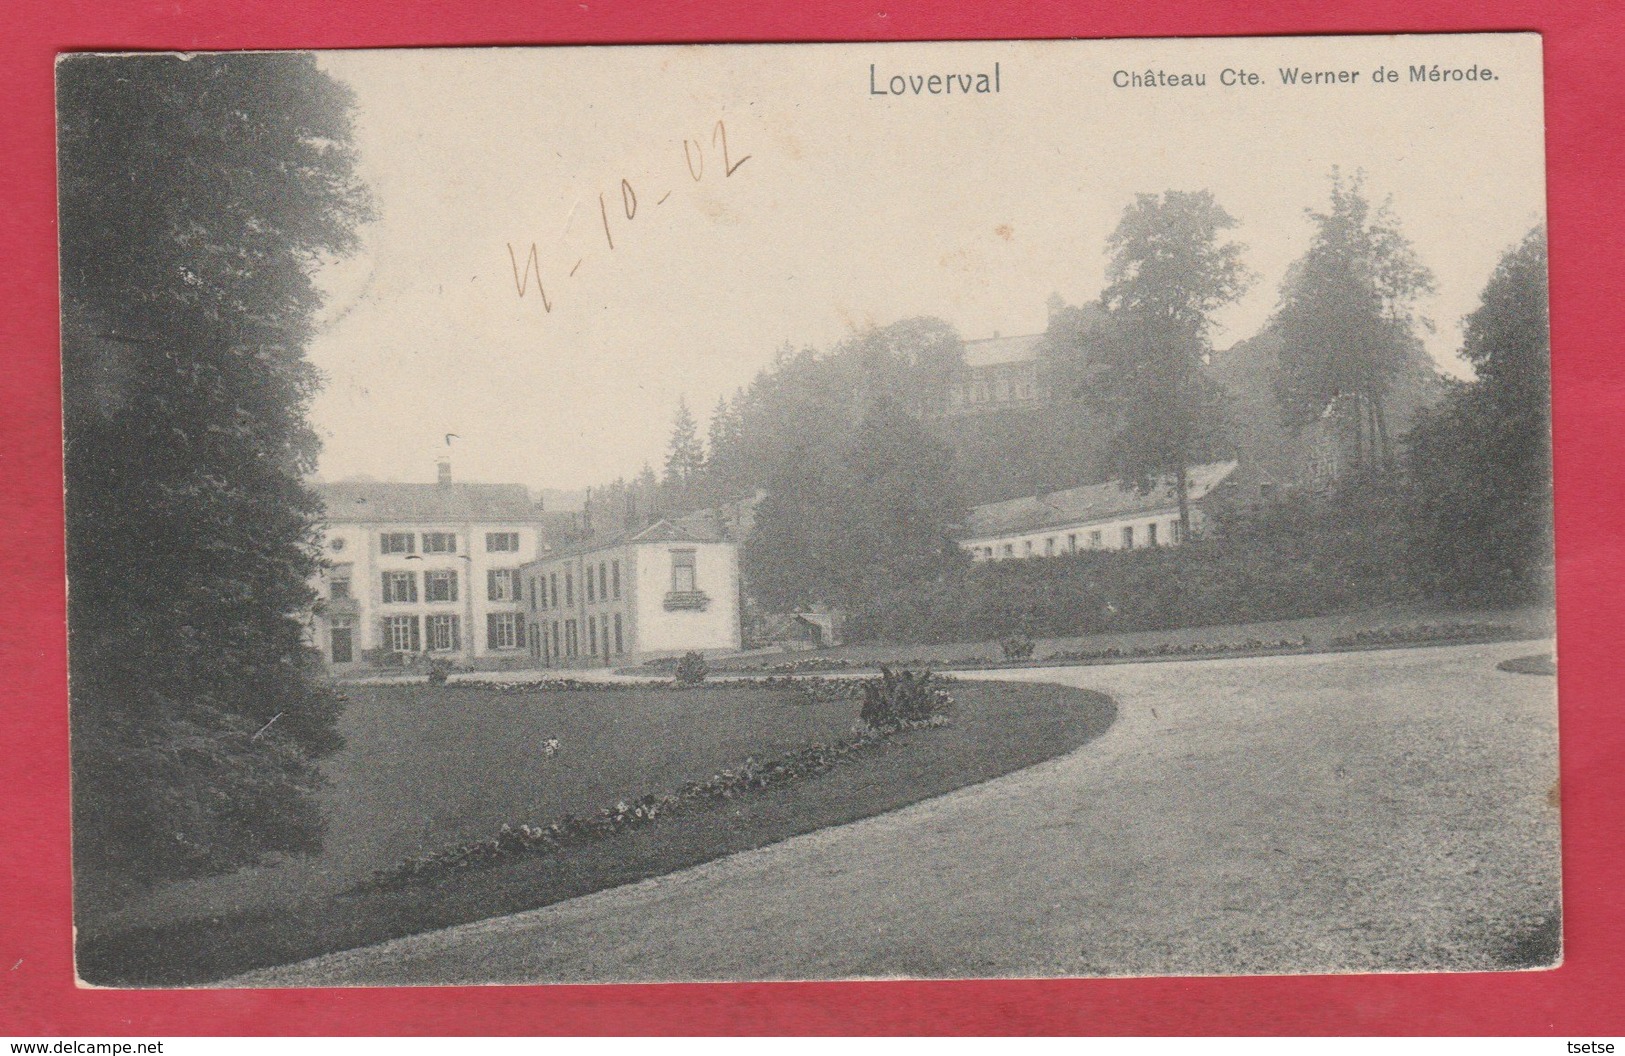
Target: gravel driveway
[(1391, 810)]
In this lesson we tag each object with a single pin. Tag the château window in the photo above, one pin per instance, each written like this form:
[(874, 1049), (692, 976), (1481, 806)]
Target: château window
[(400, 586), (1151, 534), (503, 630), (502, 584), (587, 582), (682, 572), (439, 543), (1175, 536), (395, 543), (341, 642), (1128, 538), (443, 633), (440, 585), (1049, 547), (615, 578), (553, 595), (618, 646), (401, 632), (502, 542), (1094, 540), (338, 588), (603, 581), (1072, 543)]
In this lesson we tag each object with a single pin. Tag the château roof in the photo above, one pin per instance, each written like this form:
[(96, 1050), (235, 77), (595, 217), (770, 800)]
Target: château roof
[(661, 531), (990, 351), (1078, 506), (452, 502)]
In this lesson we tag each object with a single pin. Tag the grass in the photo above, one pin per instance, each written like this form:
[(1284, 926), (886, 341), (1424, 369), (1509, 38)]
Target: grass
[(427, 767), (479, 752)]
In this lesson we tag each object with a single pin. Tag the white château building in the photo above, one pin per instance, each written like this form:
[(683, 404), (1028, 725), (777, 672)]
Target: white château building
[(1095, 517), (660, 591), (424, 569)]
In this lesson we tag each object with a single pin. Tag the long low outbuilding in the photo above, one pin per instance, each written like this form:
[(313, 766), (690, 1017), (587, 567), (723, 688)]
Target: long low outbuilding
[(1109, 516)]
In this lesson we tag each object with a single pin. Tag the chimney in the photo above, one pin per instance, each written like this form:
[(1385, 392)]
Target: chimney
[(443, 466)]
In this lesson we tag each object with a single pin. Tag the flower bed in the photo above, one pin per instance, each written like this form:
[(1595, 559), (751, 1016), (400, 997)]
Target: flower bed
[(1425, 634), (1251, 645)]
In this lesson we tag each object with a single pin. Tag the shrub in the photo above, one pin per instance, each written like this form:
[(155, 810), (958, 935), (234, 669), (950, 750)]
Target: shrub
[(899, 698), (1017, 646), (383, 656), (438, 670), (692, 669)]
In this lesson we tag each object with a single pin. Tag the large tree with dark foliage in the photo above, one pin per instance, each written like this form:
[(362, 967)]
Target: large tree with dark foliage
[(842, 523), (1171, 268), (1480, 463), (1347, 322), (197, 193)]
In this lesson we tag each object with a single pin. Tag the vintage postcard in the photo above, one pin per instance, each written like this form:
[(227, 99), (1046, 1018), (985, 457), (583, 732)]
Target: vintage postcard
[(764, 512)]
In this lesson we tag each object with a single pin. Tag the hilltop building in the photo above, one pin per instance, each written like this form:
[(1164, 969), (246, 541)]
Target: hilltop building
[(1095, 517), (419, 569), (999, 373)]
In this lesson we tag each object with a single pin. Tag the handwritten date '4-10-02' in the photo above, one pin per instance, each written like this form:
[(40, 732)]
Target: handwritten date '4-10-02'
[(694, 159)]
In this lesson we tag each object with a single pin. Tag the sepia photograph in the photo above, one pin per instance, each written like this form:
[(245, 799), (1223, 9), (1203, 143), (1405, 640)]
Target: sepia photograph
[(974, 510)]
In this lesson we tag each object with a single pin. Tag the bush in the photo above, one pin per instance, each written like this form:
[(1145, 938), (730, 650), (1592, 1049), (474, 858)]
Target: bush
[(900, 698), (438, 671), (383, 656), (1016, 646), (692, 669)]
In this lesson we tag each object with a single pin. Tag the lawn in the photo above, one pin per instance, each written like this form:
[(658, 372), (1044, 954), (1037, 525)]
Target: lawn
[(429, 767), (426, 767)]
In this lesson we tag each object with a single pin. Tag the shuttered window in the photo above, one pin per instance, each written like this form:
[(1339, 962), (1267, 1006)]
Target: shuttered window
[(401, 634), (400, 586), (440, 585)]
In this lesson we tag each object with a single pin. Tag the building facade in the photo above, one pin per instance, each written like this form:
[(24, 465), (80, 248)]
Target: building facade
[(662, 591), (1106, 516), (419, 571), (999, 373)]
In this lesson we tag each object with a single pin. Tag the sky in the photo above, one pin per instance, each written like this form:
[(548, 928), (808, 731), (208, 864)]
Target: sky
[(677, 257)]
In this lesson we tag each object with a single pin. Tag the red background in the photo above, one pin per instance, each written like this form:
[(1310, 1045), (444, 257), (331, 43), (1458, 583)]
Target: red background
[(1585, 108)]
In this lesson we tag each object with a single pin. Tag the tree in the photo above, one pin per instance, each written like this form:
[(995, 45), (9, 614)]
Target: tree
[(901, 498), (685, 456), (1170, 270), (196, 193), (1347, 319), (911, 362), (1480, 463), (722, 455), (791, 560), (843, 525)]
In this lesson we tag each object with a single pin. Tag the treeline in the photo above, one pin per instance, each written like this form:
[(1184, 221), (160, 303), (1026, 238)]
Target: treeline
[(805, 410)]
